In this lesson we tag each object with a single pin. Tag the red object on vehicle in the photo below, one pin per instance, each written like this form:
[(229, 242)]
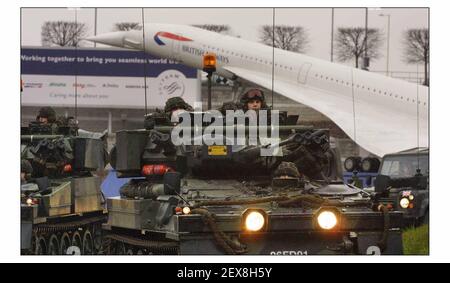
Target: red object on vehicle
[(148, 170), (67, 168)]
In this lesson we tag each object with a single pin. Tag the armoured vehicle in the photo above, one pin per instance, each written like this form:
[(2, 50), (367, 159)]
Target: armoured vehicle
[(226, 199), (61, 202), (403, 183)]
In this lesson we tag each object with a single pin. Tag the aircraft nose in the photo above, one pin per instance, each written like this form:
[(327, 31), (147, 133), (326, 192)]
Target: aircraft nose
[(112, 38)]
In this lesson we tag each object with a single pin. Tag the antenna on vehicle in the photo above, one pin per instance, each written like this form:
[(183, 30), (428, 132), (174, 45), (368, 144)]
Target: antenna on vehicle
[(273, 51), (418, 126), (145, 61), (76, 65), (353, 104)]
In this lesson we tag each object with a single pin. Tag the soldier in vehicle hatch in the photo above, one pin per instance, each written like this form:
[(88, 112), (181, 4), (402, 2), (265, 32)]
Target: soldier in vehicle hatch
[(253, 99), (229, 105), (26, 170), (176, 105), (46, 115)]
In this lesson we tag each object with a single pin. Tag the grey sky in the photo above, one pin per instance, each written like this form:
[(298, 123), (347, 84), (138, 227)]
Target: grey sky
[(246, 22)]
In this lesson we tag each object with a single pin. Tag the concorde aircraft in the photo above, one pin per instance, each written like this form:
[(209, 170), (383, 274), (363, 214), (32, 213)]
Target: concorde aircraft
[(381, 114)]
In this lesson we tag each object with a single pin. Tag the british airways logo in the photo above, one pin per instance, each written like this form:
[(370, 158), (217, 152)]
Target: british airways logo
[(162, 34)]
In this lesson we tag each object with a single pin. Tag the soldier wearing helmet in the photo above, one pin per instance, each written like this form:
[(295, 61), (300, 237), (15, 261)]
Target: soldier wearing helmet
[(229, 105), (287, 170), (47, 115), (176, 105), (26, 170), (253, 99)]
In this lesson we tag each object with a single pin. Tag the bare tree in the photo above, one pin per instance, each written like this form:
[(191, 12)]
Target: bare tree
[(417, 48), (124, 26), (350, 43), (292, 38), (62, 33), (215, 28)]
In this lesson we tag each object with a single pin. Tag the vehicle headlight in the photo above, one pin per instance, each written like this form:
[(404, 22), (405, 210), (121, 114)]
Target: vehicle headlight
[(254, 220), (327, 220), (349, 164), (186, 210), (366, 165), (404, 203)]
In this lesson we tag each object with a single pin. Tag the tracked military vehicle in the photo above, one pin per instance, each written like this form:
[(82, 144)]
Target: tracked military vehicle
[(61, 202), (227, 199)]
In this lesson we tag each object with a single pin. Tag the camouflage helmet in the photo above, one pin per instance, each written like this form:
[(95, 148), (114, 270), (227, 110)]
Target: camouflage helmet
[(47, 112), (176, 103), (287, 169), (229, 105)]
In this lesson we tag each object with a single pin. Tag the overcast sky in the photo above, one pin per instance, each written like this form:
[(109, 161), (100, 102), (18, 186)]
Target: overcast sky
[(246, 23)]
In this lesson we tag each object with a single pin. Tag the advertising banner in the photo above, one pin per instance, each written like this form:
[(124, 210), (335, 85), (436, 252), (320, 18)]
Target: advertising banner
[(103, 78)]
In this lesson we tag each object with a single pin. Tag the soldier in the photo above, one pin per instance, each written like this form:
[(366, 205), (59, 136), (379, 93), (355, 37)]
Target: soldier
[(47, 115), (287, 170), (229, 105), (25, 170), (175, 105), (253, 99)]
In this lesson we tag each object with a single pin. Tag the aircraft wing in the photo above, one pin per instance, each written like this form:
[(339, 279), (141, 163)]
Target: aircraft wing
[(376, 129)]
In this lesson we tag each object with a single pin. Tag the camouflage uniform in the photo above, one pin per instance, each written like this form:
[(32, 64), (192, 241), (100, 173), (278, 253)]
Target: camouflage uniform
[(286, 169), (177, 102), (47, 112), (230, 105), (26, 169)]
